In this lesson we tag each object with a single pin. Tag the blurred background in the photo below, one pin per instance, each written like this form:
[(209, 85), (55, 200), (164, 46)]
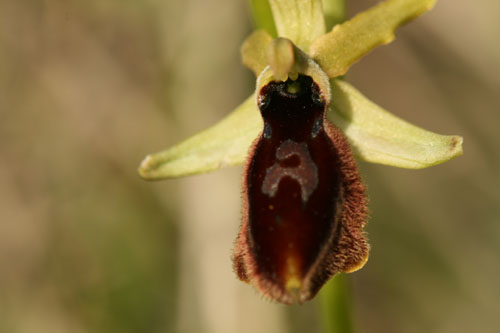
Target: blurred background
[(88, 88)]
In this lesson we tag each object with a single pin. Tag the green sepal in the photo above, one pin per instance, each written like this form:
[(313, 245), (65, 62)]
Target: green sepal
[(337, 50), (301, 21), (378, 136), (224, 144)]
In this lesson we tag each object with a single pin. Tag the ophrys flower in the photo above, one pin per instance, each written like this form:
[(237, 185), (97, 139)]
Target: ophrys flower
[(321, 234)]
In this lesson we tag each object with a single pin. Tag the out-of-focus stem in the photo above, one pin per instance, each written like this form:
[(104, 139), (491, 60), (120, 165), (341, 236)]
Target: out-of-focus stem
[(335, 296), (336, 305)]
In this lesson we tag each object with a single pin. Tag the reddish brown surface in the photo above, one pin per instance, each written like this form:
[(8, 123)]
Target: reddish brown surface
[(303, 197), (298, 219)]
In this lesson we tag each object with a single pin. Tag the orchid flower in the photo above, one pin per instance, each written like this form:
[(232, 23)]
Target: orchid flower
[(304, 206)]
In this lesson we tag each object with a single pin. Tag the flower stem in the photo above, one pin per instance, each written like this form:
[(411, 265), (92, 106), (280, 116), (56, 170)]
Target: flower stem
[(336, 305), (335, 296)]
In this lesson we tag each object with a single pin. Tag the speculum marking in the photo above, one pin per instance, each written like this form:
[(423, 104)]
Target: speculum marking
[(268, 132), (305, 173), (317, 127)]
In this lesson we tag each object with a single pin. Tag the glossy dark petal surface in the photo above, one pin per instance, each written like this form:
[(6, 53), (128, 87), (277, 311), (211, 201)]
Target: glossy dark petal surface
[(293, 182), (304, 202)]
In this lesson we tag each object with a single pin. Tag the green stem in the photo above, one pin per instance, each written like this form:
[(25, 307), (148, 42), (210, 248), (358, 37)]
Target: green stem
[(262, 16), (336, 305), (335, 295)]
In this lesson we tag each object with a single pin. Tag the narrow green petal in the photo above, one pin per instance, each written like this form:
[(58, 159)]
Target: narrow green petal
[(254, 51), (301, 21), (377, 136), (337, 50), (223, 144), (263, 16), (334, 11)]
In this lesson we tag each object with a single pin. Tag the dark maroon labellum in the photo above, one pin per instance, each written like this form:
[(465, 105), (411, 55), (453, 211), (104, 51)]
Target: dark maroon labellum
[(304, 202)]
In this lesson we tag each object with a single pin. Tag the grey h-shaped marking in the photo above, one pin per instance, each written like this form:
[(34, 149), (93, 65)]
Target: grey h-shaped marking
[(306, 173)]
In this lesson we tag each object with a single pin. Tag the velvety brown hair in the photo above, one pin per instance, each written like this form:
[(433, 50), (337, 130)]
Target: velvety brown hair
[(299, 149)]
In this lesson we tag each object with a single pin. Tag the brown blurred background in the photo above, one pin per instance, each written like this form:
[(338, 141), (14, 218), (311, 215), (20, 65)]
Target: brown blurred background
[(88, 88)]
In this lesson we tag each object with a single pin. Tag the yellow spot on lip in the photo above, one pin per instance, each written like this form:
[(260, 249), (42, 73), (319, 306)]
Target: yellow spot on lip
[(293, 87), (359, 265), (271, 207), (293, 282)]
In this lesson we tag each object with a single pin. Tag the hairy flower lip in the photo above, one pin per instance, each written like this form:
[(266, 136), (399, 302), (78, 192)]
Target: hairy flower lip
[(376, 135), (284, 248)]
